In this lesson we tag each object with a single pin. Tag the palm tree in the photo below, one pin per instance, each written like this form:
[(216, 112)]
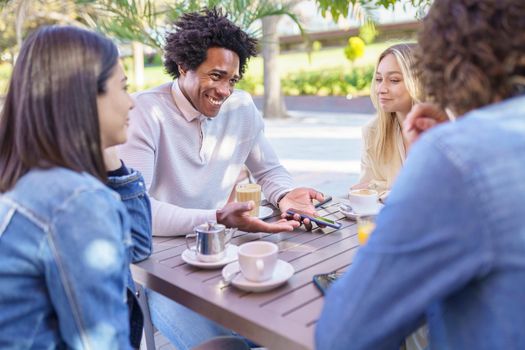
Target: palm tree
[(273, 106), (146, 21), (23, 15), (343, 7)]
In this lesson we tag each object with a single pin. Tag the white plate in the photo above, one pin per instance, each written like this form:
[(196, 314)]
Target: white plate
[(343, 208), (231, 255), (282, 273), (265, 212)]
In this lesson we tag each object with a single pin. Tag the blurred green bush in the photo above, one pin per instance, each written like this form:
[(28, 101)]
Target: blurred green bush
[(336, 81), (330, 82)]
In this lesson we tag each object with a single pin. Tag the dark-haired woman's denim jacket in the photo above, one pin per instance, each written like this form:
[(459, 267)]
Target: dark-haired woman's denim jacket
[(66, 242), (130, 186)]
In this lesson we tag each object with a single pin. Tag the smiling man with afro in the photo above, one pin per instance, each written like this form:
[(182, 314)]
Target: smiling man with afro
[(191, 138)]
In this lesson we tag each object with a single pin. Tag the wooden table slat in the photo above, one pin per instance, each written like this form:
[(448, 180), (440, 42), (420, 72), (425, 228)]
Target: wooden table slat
[(283, 318)]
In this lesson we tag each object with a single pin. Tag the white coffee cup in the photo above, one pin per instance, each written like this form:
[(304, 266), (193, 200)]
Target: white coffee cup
[(257, 260), (364, 201)]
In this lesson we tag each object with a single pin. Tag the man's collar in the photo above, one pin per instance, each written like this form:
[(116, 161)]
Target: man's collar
[(185, 107)]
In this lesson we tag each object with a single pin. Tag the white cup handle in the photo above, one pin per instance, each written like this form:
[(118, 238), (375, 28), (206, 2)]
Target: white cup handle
[(191, 235)]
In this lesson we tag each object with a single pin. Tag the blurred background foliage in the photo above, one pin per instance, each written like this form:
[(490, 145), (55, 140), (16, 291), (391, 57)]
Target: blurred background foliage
[(315, 68)]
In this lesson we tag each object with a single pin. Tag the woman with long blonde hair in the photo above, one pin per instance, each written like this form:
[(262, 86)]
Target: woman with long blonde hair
[(395, 89)]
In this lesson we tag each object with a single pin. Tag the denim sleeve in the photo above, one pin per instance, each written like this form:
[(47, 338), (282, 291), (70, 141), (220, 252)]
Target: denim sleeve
[(132, 191), (428, 242), (86, 271)]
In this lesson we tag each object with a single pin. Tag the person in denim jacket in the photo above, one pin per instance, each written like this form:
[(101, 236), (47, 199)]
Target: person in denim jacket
[(67, 239), (449, 246), (130, 185)]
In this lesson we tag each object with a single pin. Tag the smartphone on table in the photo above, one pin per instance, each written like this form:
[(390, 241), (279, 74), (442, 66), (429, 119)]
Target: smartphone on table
[(320, 220), (324, 280), (317, 204)]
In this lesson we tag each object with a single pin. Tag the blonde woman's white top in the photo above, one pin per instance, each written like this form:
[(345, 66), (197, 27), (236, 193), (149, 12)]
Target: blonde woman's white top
[(380, 175)]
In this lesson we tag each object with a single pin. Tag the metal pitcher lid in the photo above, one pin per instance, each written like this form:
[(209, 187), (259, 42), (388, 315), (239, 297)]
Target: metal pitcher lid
[(210, 227)]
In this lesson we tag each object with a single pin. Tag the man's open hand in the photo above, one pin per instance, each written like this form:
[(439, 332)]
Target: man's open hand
[(238, 215), (301, 198)]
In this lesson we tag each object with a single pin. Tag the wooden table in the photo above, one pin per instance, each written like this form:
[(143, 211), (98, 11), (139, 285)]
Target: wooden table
[(283, 318)]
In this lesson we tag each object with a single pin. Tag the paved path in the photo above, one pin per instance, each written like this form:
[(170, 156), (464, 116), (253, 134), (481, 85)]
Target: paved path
[(327, 104), (321, 148)]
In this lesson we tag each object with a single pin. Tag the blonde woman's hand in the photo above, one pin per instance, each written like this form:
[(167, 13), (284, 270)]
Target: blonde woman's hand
[(111, 159), (360, 186), (422, 117)]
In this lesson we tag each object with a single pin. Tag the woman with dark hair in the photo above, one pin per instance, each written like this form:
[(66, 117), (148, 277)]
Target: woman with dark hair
[(449, 246), (65, 239)]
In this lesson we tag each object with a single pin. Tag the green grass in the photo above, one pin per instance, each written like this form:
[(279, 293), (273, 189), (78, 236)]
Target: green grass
[(5, 74), (153, 76), (330, 57)]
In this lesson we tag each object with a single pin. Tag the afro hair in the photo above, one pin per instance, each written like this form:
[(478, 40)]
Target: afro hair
[(196, 32)]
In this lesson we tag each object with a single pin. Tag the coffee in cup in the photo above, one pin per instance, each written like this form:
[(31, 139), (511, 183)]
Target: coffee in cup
[(257, 260), (249, 192), (364, 201)]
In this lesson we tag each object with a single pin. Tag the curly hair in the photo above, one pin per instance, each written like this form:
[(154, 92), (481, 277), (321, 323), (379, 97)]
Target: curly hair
[(196, 32), (472, 52)]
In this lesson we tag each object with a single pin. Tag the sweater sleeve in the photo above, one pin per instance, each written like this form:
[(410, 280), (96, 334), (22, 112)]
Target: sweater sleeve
[(140, 152)]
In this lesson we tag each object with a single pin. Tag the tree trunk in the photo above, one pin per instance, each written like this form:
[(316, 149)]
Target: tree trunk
[(19, 24), (138, 64), (273, 99)]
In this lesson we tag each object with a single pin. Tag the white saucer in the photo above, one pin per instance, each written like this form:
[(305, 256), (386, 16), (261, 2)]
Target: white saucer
[(350, 214), (283, 271), (231, 255), (265, 212)]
